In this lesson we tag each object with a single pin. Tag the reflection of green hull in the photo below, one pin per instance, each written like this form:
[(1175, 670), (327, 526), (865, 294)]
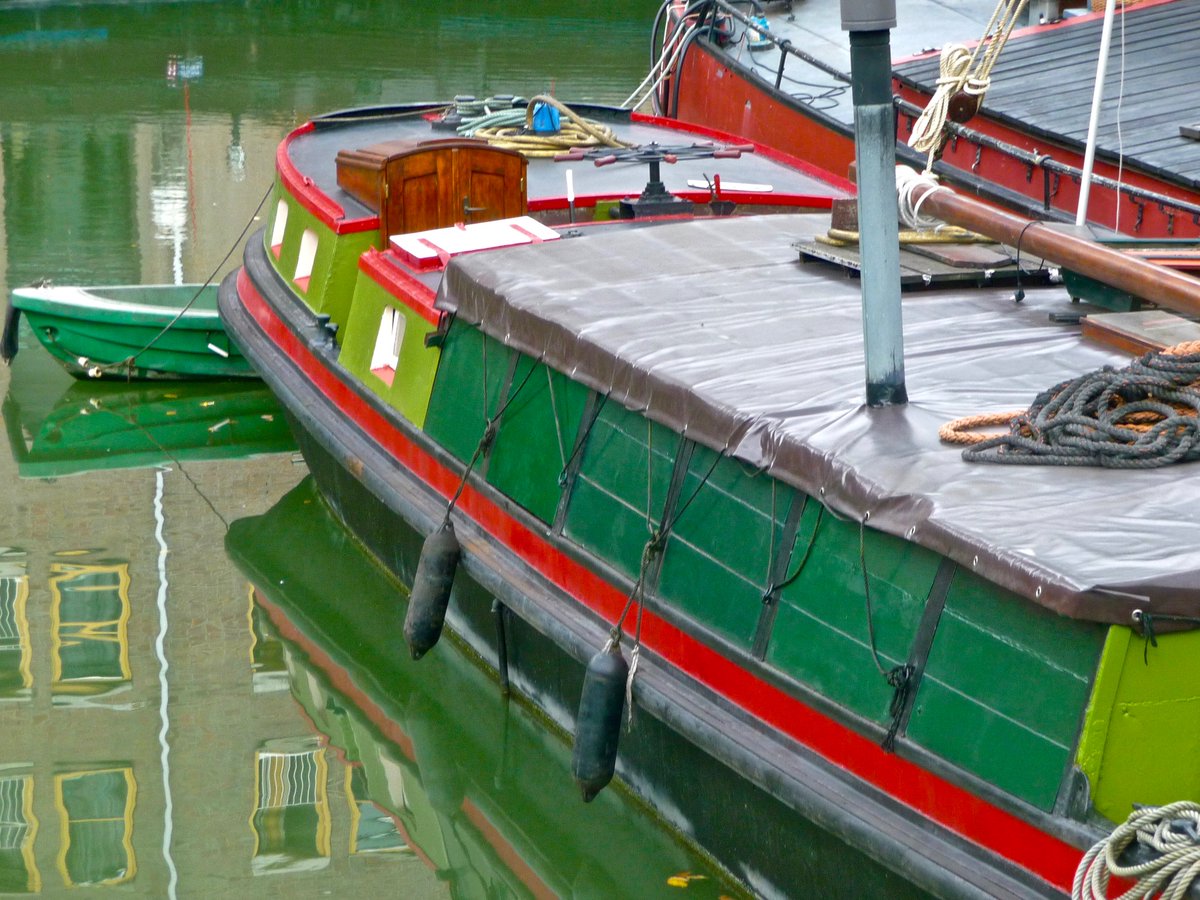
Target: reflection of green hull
[(451, 713), (163, 331), (120, 426), (486, 794)]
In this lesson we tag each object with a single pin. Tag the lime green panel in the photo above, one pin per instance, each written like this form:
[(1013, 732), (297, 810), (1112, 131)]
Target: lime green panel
[(1013, 671), (1142, 736), (458, 411), (622, 483), (536, 435), (717, 561), (335, 272), (335, 267), (413, 380), (820, 635)]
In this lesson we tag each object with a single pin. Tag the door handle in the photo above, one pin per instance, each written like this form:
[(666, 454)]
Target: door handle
[(468, 208)]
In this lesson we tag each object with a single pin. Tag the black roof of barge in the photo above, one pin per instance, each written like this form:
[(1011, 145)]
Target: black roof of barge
[(714, 328), (1044, 81)]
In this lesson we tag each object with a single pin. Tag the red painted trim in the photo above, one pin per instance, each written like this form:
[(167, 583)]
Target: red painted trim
[(767, 151), (714, 96), (311, 197), (404, 287), (508, 854), (922, 791), (799, 201)]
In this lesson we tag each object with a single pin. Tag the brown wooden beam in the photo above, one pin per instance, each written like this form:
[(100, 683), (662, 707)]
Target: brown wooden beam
[(1139, 277)]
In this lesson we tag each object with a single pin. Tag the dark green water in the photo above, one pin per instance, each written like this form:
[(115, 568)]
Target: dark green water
[(165, 730)]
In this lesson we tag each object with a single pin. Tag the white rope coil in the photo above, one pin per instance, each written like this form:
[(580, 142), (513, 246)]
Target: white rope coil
[(959, 71), (1172, 832), (907, 181)]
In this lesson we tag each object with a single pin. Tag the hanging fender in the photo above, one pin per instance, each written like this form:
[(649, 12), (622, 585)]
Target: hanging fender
[(431, 590), (598, 725)]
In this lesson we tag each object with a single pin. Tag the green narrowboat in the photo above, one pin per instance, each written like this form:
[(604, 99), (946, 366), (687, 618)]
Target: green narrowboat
[(646, 437)]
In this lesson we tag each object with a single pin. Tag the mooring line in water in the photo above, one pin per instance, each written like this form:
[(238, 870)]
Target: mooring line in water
[(160, 652)]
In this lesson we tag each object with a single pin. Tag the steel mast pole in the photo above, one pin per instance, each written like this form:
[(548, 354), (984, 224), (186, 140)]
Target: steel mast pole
[(869, 23)]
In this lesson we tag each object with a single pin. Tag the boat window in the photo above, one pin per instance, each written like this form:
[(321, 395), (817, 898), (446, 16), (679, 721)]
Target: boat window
[(97, 811), (277, 231), (386, 355), (304, 263)]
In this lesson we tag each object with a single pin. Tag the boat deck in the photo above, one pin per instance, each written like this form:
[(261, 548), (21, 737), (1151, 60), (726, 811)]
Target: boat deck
[(734, 341), (1044, 79), (313, 154)]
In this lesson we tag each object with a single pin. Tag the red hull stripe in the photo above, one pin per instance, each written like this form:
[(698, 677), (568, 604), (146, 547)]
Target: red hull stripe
[(922, 791)]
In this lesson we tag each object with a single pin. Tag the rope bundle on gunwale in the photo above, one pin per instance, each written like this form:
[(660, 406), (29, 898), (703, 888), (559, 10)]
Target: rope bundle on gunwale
[(1145, 415), (512, 129)]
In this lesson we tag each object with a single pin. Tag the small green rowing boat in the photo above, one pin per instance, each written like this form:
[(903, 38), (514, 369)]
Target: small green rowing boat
[(129, 331)]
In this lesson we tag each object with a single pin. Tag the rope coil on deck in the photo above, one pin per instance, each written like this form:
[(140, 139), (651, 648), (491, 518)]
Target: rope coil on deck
[(1171, 832), (512, 129), (1145, 415)]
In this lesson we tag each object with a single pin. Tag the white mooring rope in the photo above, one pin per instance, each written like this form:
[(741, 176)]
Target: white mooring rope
[(959, 72), (1172, 832)]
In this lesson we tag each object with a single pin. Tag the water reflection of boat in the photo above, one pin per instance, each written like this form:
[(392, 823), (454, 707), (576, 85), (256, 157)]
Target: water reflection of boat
[(159, 331), (477, 787), (94, 425)]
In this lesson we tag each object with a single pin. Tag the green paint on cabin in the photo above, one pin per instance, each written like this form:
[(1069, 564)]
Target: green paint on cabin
[(618, 497), (471, 374), (1004, 688), (1141, 739), (334, 268), (380, 325), (537, 433), (717, 561), (821, 636)]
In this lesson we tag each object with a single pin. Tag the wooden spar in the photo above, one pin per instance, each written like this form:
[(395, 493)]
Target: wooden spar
[(1139, 277)]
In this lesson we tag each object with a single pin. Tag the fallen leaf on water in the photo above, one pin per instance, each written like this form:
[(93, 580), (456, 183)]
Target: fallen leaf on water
[(683, 879)]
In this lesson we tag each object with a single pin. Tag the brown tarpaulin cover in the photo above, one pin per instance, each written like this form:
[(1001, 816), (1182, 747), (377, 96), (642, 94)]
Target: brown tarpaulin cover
[(714, 328)]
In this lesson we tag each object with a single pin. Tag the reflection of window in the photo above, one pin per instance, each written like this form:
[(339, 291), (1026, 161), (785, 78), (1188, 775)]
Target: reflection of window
[(372, 828), (386, 355), (96, 820), (89, 625), (15, 677), (267, 661), (291, 817), (18, 829)]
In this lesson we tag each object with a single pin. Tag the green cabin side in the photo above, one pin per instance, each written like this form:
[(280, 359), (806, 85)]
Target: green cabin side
[(1019, 699)]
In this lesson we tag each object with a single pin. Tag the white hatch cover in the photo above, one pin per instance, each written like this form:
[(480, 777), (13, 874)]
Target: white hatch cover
[(434, 248)]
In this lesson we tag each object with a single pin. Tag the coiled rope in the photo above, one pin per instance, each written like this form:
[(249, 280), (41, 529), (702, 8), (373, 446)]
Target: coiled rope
[(512, 129), (1172, 832), (964, 70), (1143, 416)]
